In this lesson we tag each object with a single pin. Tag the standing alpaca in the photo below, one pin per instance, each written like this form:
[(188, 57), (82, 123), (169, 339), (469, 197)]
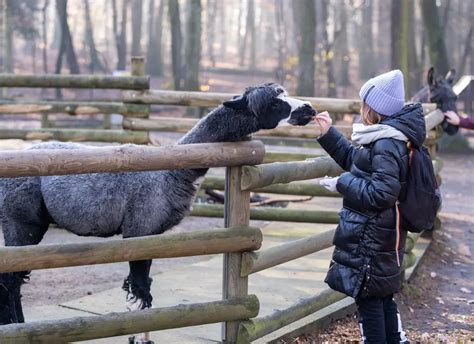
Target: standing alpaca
[(132, 204), (440, 91)]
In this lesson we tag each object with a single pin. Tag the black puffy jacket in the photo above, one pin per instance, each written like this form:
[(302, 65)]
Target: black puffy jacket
[(365, 262)]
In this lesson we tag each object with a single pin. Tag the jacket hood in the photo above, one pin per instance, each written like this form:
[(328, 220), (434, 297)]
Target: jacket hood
[(411, 122)]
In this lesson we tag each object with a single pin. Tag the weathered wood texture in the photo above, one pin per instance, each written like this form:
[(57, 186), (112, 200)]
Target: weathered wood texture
[(255, 177), (76, 81), (411, 241), (183, 125), (294, 188), (117, 324), (128, 158), (261, 260), (72, 107), (208, 99), (76, 135), (257, 328), (196, 243), (237, 213), (271, 214), (433, 119)]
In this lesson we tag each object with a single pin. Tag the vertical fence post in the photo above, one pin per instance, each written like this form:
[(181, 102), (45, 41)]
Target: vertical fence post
[(237, 212)]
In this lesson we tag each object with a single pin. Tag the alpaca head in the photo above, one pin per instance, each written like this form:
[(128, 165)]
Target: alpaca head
[(441, 92), (271, 105)]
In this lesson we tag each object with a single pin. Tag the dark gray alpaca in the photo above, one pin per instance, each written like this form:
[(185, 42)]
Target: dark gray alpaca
[(133, 204)]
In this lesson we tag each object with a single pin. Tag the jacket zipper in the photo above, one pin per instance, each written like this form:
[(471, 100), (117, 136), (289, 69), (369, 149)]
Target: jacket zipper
[(397, 230)]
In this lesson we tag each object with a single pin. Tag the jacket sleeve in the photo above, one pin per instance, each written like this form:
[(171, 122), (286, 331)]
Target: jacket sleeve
[(338, 147), (381, 190), (467, 122)]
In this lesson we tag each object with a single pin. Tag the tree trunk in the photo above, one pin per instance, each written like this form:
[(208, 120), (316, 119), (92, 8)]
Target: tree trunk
[(66, 40), (120, 34), (436, 46), (44, 34), (193, 46), (211, 30), (395, 33), (154, 59), (341, 48), (305, 22), (176, 42), (137, 9), (223, 28), (94, 63), (328, 54), (415, 73), (366, 52), (251, 30), (8, 59), (279, 27)]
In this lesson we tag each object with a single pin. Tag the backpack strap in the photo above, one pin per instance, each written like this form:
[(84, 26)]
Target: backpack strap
[(412, 151)]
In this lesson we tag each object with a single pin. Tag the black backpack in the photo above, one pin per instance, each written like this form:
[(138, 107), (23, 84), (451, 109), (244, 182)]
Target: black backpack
[(422, 197)]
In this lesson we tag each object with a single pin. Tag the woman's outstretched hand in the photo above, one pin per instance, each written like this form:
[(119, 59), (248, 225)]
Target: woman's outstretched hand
[(452, 118), (324, 121)]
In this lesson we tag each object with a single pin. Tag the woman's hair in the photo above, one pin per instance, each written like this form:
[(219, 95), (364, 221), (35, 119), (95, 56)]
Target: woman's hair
[(369, 116)]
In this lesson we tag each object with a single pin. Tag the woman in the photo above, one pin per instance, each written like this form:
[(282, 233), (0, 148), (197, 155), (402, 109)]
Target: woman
[(369, 243)]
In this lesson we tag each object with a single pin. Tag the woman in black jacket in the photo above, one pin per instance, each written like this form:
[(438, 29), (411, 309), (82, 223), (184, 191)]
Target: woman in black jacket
[(369, 243)]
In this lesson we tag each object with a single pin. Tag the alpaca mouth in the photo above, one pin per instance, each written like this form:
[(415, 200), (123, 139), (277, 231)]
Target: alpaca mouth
[(302, 116)]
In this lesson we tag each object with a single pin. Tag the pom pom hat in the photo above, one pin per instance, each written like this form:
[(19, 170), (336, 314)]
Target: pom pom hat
[(385, 93)]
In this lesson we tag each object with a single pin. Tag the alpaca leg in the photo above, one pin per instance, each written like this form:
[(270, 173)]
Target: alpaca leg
[(137, 285)]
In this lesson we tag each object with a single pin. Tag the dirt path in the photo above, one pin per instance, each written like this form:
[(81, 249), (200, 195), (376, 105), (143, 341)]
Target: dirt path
[(437, 306)]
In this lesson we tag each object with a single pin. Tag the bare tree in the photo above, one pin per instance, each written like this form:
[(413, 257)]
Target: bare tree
[(305, 21), (137, 14), (176, 42), (211, 15), (66, 46), (44, 34), (366, 53), (193, 46), (95, 63), (154, 59)]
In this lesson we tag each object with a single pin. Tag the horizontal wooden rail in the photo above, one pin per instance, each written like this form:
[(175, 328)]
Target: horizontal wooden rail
[(256, 328), (128, 158), (72, 107), (76, 81), (294, 188), (409, 259), (256, 177), (76, 135), (284, 156), (21, 258), (183, 125), (117, 324), (411, 241), (257, 261), (271, 214), (433, 119), (208, 99)]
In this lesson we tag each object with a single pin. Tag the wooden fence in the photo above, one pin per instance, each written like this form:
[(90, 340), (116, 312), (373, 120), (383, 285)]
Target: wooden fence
[(237, 241)]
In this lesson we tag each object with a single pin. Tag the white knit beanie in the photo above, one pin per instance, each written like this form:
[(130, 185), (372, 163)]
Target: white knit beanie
[(384, 93)]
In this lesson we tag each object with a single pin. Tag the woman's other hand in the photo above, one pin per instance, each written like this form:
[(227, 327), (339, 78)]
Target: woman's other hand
[(452, 118), (324, 121), (329, 183)]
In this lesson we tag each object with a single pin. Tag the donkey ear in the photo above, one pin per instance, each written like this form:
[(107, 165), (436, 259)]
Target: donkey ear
[(430, 77), (450, 76), (237, 103)]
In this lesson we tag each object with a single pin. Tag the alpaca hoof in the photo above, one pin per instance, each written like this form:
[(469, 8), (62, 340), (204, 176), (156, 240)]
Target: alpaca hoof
[(131, 340)]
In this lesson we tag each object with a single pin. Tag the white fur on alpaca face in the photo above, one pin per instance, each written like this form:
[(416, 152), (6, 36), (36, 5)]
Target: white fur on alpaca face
[(293, 103)]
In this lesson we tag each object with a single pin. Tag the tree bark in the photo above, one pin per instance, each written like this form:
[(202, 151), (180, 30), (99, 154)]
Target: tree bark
[(67, 46), (341, 48), (211, 30), (176, 42), (436, 45), (395, 33), (154, 60), (8, 58), (193, 46), (305, 23), (94, 63), (44, 34), (251, 30), (137, 13), (366, 53), (328, 54)]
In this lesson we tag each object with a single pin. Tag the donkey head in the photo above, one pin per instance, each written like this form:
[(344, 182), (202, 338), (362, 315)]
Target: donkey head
[(271, 105), (441, 92)]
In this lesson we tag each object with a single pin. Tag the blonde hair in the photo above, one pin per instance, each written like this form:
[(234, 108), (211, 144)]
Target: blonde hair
[(369, 116)]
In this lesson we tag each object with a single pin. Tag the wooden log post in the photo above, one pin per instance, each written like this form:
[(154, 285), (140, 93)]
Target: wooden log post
[(117, 324), (256, 328), (23, 258), (272, 214), (237, 213), (129, 158)]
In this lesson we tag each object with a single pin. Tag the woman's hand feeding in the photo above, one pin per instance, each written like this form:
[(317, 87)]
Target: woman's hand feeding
[(324, 121)]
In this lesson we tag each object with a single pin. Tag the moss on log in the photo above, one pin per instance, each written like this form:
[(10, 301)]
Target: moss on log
[(411, 241), (212, 99), (408, 260), (271, 214), (196, 243), (255, 177), (128, 158), (76, 81), (256, 328), (294, 188), (117, 324), (72, 107), (257, 261)]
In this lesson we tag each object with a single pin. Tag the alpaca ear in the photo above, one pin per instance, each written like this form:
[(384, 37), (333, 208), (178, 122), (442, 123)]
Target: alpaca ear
[(237, 103), (450, 76), (430, 77)]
